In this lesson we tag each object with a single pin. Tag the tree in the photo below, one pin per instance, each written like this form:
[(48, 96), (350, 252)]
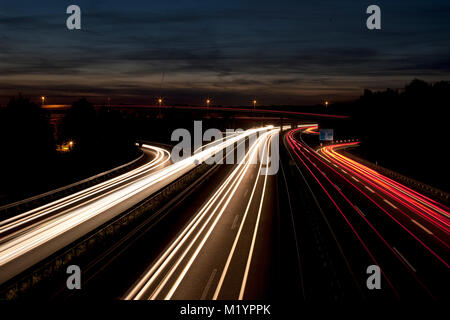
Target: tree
[(27, 143), (79, 125)]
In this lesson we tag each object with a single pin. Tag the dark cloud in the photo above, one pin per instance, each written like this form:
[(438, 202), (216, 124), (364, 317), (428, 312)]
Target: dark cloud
[(285, 50)]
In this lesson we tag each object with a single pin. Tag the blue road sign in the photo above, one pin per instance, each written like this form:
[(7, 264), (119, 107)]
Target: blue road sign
[(326, 134)]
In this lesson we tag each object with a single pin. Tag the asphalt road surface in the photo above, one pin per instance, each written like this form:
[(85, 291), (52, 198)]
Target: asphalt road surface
[(375, 221)]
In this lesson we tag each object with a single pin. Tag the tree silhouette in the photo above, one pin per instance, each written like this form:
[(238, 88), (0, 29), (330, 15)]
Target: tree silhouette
[(27, 144), (405, 129), (79, 125)]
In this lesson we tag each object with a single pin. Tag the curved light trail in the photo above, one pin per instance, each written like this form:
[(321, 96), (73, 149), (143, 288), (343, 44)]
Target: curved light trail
[(34, 235), (390, 197), (166, 274), (430, 210)]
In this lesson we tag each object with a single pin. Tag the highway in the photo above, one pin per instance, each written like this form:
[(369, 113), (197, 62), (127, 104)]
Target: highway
[(22, 235), (309, 232), (214, 255), (32, 236), (376, 220)]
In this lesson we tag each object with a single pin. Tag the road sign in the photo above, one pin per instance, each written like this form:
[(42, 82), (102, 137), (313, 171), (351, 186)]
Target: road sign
[(326, 134)]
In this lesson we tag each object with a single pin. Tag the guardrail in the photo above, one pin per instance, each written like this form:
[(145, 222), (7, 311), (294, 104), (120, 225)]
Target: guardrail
[(433, 192), (106, 235), (14, 208), (414, 184)]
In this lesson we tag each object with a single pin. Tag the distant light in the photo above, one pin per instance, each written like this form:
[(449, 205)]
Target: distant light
[(70, 143), (326, 103), (43, 99)]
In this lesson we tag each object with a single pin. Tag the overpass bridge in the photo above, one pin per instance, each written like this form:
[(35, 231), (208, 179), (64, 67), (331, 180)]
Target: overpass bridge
[(230, 117)]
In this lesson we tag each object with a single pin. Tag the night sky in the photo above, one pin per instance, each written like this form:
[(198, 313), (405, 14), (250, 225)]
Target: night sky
[(282, 52)]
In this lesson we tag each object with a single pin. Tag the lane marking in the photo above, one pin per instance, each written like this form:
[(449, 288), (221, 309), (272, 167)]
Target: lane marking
[(198, 224), (235, 222), (237, 237), (355, 179), (404, 259), (208, 284), (369, 189), (359, 210), (222, 197), (390, 203), (252, 246), (344, 171), (337, 187), (229, 193), (420, 225), (246, 192)]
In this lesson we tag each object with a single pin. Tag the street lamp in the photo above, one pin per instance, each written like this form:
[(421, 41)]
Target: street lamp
[(42, 100), (160, 101), (326, 103), (254, 104), (208, 102)]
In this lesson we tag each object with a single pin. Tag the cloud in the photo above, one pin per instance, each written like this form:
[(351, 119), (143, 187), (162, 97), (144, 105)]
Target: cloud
[(238, 48)]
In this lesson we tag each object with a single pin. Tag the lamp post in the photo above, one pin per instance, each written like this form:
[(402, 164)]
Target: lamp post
[(160, 101)]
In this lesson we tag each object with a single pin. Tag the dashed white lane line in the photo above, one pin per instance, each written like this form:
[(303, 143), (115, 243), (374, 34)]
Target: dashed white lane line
[(359, 210), (390, 203), (404, 259), (208, 284), (355, 179), (369, 189), (343, 171), (421, 226), (233, 226)]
